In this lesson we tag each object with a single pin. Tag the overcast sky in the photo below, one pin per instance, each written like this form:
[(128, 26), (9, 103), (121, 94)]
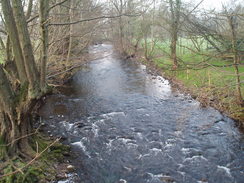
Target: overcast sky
[(217, 4)]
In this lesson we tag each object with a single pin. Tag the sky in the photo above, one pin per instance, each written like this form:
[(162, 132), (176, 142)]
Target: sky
[(211, 4)]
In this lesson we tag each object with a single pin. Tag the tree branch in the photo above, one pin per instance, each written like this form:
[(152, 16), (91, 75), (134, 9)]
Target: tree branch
[(51, 7), (92, 19)]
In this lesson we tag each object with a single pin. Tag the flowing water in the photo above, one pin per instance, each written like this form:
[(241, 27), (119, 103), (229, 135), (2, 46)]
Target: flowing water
[(127, 125)]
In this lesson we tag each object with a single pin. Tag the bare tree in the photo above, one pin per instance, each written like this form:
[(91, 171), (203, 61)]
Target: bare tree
[(231, 17), (44, 14), (17, 102), (175, 6)]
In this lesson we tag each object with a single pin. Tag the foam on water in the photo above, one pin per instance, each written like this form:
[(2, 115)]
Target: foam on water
[(134, 123), (169, 143), (155, 151), (193, 158), (143, 156), (226, 169), (81, 145), (101, 121), (185, 150), (68, 126), (95, 130), (122, 181), (111, 114), (139, 134), (125, 140), (188, 150), (161, 177), (109, 144)]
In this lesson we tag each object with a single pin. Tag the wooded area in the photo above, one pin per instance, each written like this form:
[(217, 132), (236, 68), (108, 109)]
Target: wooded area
[(203, 48)]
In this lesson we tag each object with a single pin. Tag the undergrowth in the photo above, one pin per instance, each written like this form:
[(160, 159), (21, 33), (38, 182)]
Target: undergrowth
[(40, 171), (214, 85)]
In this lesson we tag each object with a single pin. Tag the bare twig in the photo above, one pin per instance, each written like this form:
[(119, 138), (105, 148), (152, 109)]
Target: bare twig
[(92, 19), (30, 162), (53, 6), (75, 66), (25, 136)]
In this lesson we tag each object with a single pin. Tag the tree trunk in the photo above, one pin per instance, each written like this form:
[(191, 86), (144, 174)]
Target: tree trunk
[(44, 6), (70, 32), (29, 9), (14, 38), (146, 48), (8, 130), (14, 139), (2, 44), (29, 60), (15, 124), (173, 50), (236, 58), (175, 16), (16, 107), (9, 55), (121, 33)]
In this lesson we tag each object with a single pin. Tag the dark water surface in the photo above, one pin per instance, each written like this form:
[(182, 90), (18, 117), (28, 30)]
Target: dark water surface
[(129, 126)]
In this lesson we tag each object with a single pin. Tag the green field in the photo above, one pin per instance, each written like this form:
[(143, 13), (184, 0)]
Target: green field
[(214, 81), (212, 75)]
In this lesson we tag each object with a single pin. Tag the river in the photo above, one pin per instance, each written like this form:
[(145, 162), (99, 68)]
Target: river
[(128, 125)]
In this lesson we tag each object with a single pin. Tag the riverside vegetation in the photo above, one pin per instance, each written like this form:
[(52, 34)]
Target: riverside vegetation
[(213, 82), (31, 53), (41, 41), (199, 48)]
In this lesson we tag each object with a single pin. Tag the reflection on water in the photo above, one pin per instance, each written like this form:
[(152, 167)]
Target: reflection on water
[(128, 126)]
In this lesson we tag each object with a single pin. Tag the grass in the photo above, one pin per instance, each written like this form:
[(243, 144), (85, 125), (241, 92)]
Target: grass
[(215, 85), (217, 76), (41, 170)]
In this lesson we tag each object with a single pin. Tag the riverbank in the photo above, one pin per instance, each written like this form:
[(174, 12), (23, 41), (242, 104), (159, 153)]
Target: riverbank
[(125, 122), (75, 118), (59, 75), (52, 159), (50, 163), (203, 87)]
